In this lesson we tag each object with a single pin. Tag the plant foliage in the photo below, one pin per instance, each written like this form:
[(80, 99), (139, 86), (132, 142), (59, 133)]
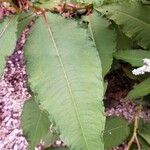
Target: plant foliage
[(133, 19), (68, 57), (35, 123)]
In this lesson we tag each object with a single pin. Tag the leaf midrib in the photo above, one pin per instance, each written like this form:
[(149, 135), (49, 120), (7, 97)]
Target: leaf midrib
[(67, 81)]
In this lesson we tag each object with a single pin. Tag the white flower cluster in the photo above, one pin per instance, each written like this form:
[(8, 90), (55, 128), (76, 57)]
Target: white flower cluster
[(145, 68)]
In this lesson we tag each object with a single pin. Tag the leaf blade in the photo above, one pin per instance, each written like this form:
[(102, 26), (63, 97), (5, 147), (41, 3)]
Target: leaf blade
[(72, 81)]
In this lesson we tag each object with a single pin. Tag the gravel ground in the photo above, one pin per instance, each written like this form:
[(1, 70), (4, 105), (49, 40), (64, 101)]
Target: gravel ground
[(13, 94), (127, 111)]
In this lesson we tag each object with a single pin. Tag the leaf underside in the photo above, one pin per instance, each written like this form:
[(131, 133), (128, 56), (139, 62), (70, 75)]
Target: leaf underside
[(8, 38), (65, 71), (134, 57), (133, 20)]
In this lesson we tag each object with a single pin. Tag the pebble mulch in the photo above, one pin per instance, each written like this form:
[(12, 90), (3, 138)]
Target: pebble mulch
[(13, 93), (127, 109)]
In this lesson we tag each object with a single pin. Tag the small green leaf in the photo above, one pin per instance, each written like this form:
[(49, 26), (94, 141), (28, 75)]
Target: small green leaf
[(24, 19), (35, 123), (140, 90), (104, 39), (144, 131), (8, 38), (116, 131), (134, 57), (95, 2)]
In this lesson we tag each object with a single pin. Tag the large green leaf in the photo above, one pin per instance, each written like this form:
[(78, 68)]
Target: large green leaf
[(8, 29), (133, 18), (116, 131), (35, 123), (140, 90), (65, 72), (104, 39), (134, 57)]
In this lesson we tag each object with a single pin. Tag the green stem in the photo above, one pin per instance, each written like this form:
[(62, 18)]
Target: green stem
[(134, 137)]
